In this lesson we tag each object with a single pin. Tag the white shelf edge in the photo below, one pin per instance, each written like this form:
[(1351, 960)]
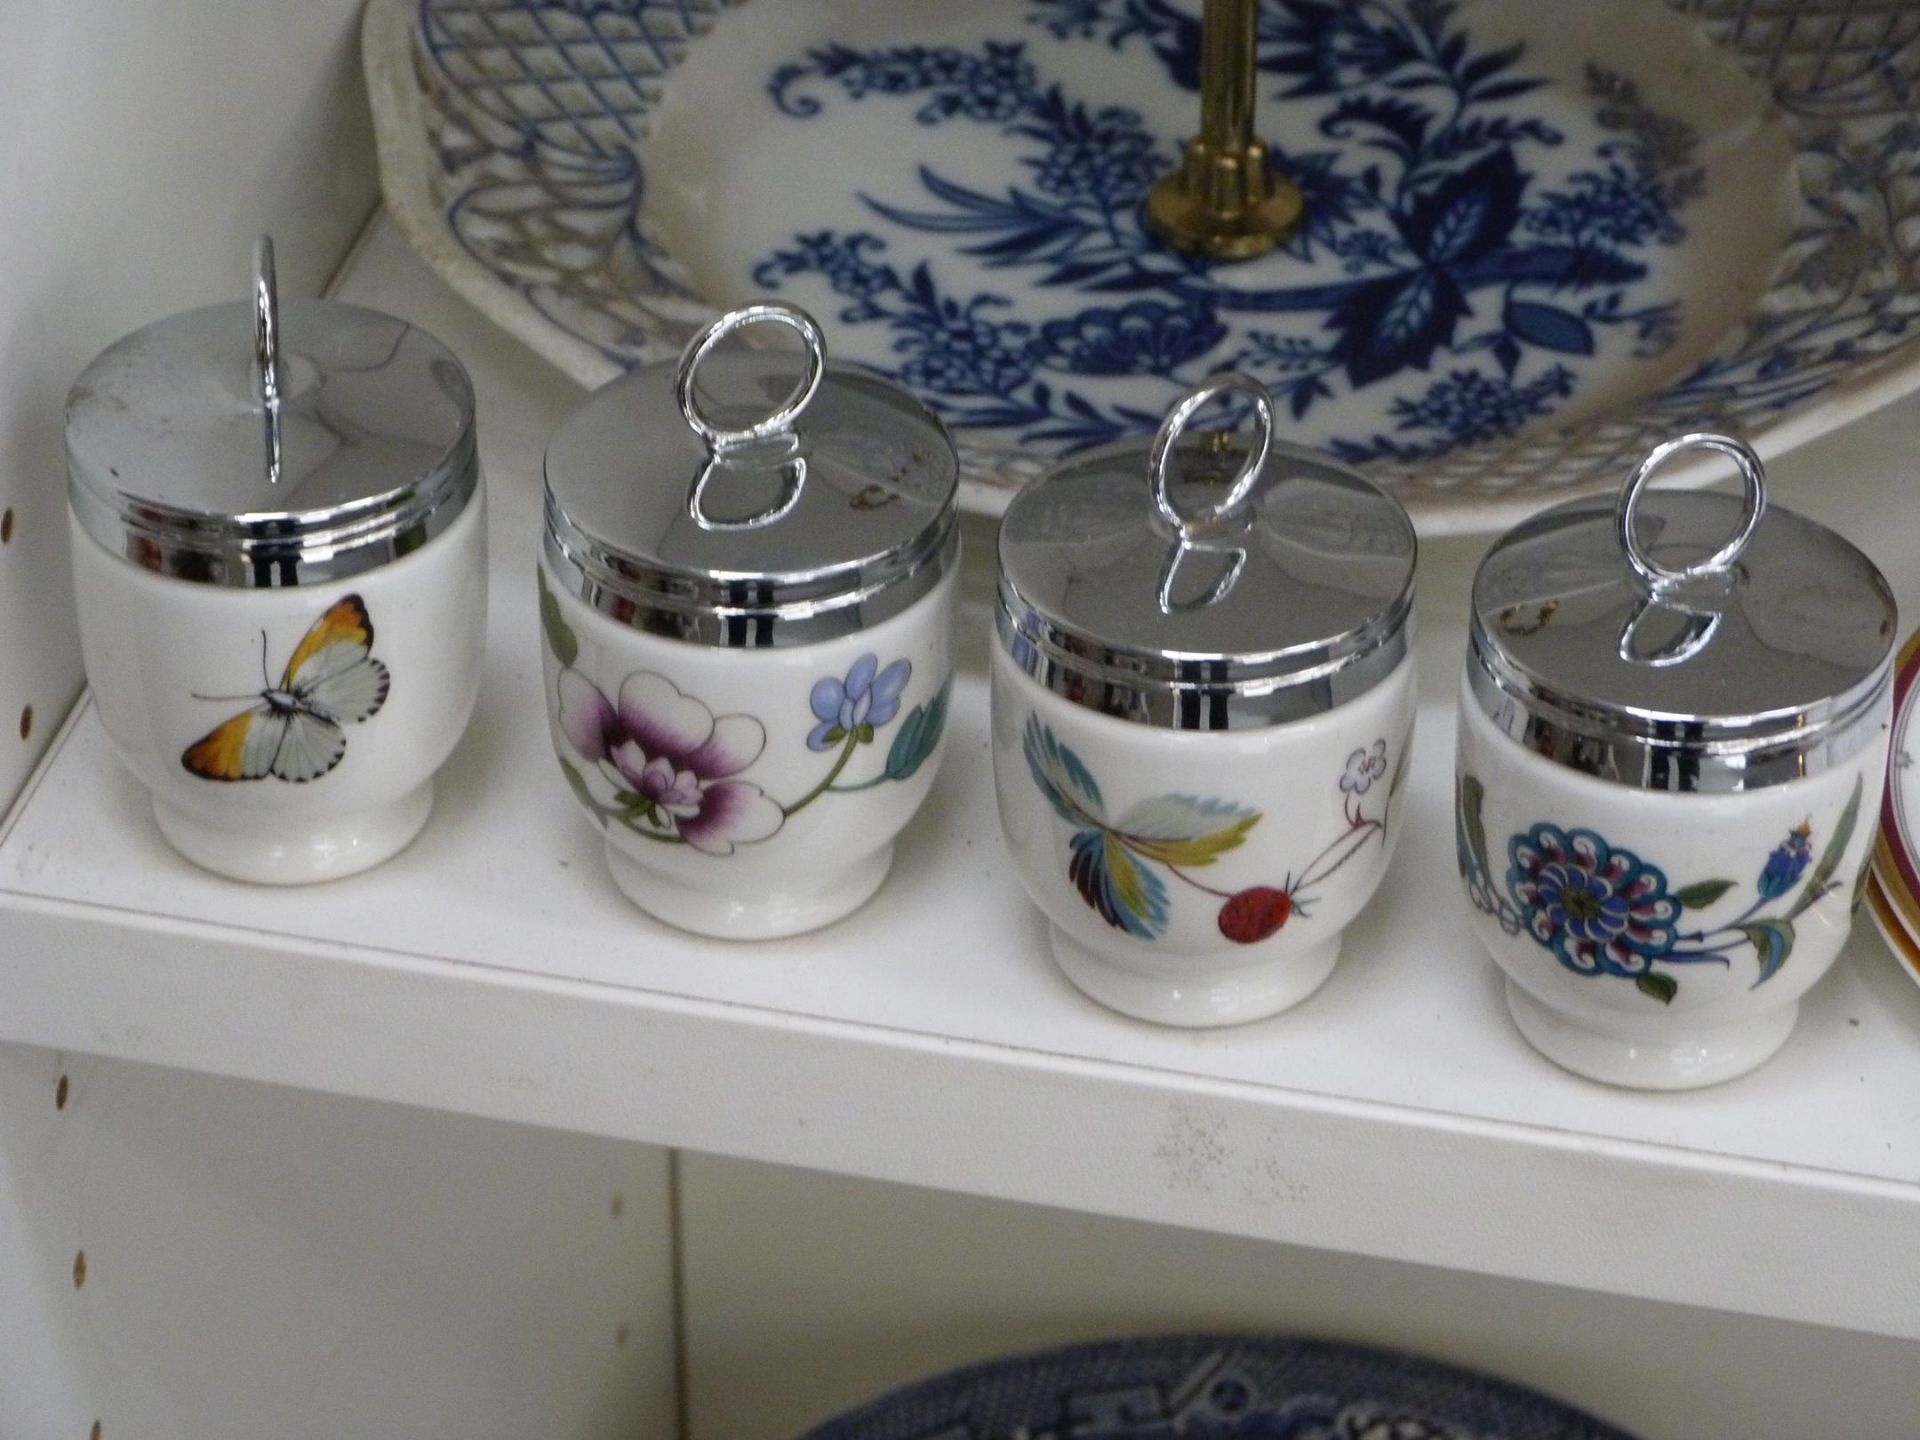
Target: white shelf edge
[(1213, 1155)]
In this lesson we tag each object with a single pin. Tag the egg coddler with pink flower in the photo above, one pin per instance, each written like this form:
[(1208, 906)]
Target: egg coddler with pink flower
[(747, 595)]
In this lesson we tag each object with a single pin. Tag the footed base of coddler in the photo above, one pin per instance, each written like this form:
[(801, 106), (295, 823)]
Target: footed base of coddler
[(749, 910), (1682, 1060), (1196, 993), (287, 850)]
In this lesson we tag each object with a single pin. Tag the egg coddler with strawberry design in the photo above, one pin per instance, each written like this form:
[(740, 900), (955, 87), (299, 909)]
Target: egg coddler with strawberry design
[(1203, 699)]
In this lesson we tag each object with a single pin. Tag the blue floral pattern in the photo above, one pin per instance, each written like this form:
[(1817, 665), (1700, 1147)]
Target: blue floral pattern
[(1602, 910), (1447, 248), (535, 113), (1599, 909)]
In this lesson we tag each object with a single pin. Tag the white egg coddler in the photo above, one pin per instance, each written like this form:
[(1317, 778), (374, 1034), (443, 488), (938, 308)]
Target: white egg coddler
[(279, 550), (747, 597), (1203, 699), (1673, 738)]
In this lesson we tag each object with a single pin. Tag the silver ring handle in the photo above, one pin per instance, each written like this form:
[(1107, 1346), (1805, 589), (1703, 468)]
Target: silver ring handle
[(266, 324), (1175, 425), (266, 353), (1213, 594), (781, 421), (793, 478), (1626, 514)]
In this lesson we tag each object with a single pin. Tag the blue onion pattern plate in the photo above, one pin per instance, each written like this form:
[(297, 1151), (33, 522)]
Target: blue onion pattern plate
[(1539, 240), (1211, 1387)]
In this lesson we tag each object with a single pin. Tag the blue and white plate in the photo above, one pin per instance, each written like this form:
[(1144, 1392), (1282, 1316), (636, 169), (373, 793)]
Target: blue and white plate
[(1219, 1388), (1539, 238)]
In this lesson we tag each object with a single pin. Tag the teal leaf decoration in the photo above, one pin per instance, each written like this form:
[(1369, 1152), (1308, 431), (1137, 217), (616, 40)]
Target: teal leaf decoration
[(1185, 829), (919, 736), (1471, 825), (1123, 892), (578, 784), (561, 640), (1068, 785), (1702, 893), (1829, 862), (1661, 987), (1772, 942)]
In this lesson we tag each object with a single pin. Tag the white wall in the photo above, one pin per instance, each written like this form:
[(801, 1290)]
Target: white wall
[(147, 142), (265, 1264)]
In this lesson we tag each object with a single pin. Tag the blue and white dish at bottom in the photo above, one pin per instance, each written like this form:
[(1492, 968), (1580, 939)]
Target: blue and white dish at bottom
[(1214, 1387)]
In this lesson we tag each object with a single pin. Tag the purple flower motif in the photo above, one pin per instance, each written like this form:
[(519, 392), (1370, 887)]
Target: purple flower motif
[(674, 757), (858, 705)]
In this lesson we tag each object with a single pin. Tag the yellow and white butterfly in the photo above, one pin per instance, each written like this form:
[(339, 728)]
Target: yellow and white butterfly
[(297, 731)]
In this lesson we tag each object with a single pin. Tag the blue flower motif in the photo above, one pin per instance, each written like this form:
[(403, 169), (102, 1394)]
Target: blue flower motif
[(862, 702), (1470, 407), (1787, 863), (1331, 47), (1599, 909), (1144, 337)]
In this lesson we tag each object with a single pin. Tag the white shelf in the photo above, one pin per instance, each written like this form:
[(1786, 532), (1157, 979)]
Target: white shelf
[(492, 969)]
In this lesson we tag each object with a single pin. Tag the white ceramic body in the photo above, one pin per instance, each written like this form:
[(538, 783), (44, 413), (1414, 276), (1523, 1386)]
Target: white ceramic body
[(1322, 844), (775, 873), (152, 644), (1717, 1020)]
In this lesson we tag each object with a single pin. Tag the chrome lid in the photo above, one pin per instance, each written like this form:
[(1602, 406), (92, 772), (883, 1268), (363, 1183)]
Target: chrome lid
[(255, 444), (1673, 641), (1213, 581), (726, 502)]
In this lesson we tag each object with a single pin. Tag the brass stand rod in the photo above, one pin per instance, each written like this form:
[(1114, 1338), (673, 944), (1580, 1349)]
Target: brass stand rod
[(1224, 201), (1227, 58)]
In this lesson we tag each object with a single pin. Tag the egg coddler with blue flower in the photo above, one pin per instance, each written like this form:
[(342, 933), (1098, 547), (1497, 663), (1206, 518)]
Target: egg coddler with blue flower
[(1673, 738)]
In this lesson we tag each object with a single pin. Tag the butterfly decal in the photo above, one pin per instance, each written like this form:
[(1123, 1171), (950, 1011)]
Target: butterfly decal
[(298, 730)]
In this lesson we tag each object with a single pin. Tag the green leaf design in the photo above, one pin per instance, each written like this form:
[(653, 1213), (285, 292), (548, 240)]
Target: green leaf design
[(864, 734), (1772, 942), (1061, 775), (560, 637), (1185, 830), (1661, 987), (1472, 824), (578, 783), (1702, 893), (919, 736), (1829, 861), (1124, 893)]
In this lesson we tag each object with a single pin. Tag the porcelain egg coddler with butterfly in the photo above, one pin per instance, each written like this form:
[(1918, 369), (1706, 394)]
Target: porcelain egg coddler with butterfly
[(747, 594), (1203, 698), (1673, 738), (279, 537)]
